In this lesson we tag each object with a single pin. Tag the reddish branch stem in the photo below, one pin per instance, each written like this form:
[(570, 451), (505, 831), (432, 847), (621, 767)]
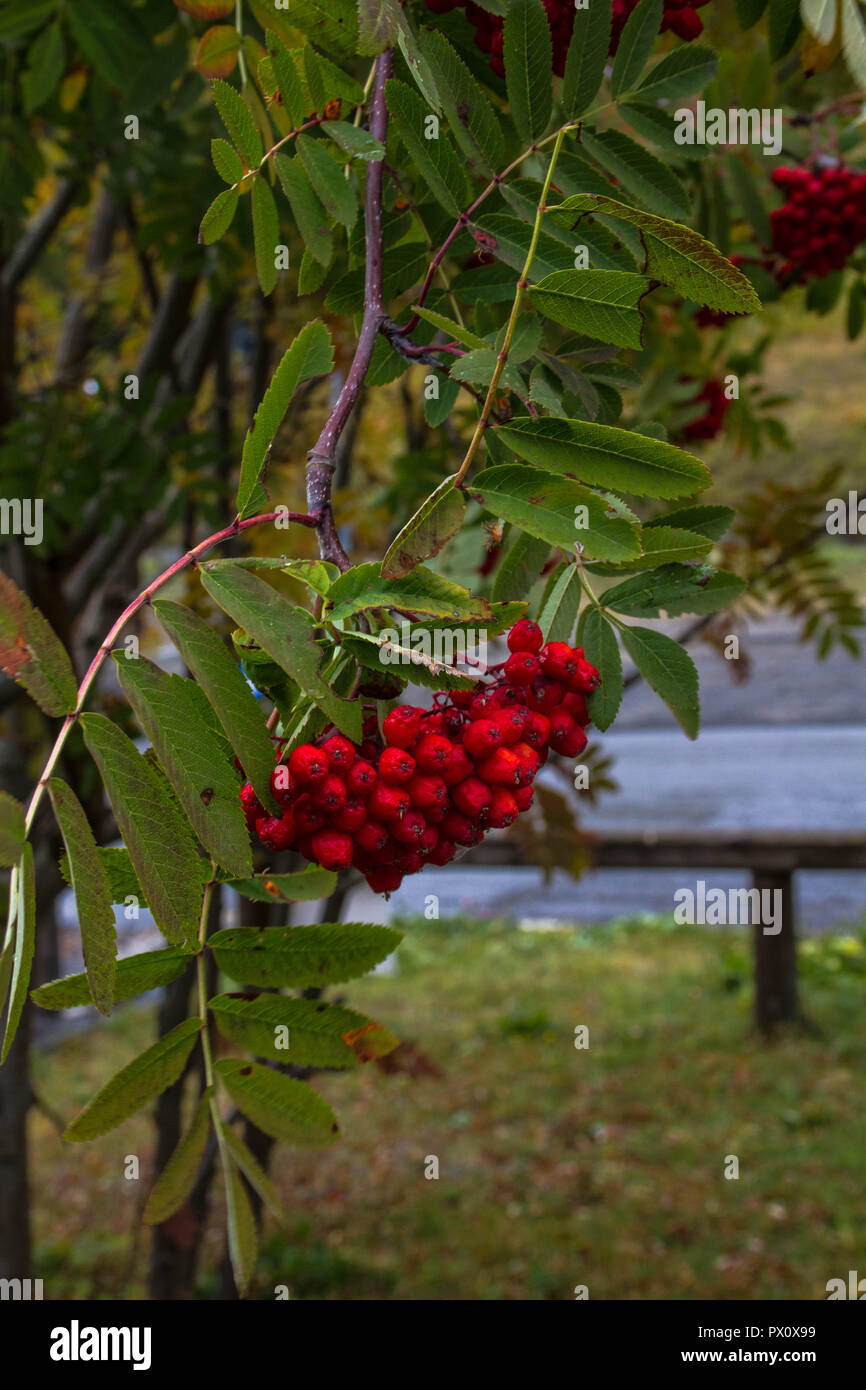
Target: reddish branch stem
[(190, 558), (321, 458)]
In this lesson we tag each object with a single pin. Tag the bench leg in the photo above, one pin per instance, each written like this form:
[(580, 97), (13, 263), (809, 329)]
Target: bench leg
[(776, 957)]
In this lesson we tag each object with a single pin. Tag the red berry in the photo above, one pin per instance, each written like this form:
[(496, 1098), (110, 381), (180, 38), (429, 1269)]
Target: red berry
[(523, 796), (545, 695), (575, 704), (308, 818), (308, 764), (525, 636), (330, 794), (472, 797), (352, 816), (373, 836), (537, 731), (512, 722), (502, 768), (410, 828), (396, 766), (485, 704), (443, 853), (503, 810), (460, 829), (384, 880), (426, 791), (339, 752), (282, 784), (429, 840), (402, 726), (361, 778), (333, 849), (521, 668), (276, 834), (482, 738), (459, 766), (559, 661), (388, 803), (432, 753)]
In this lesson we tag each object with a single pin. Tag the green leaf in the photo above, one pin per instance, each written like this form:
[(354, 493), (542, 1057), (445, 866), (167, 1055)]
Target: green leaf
[(243, 1238), (219, 216), (528, 56), (226, 161), (22, 898), (709, 521), (306, 885), (819, 17), (602, 649), (421, 591), (404, 267), (253, 1171), (11, 830), (657, 125), (174, 1183), (176, 717), (122, 879), (587, 57), (749, 198), (32, 654), (640, 172), (378, 25), (454, 330), (670, 672), (664, 544), (559, 611), (606, 456), (357, 143), (46, 60), (286, 633), (520, 567), (217, 51), (20, 16), (154, 829), (749, 12), (220, 678), (471, 119), (785, 26), (675, 255), (136, 1084), (853, 39), (288, 81), (134, 975), (309, 355), (546, 507), (389, 653), (92, 894), (326, 175), (238, 121), (478, 367), (436, 411), (635, 45), (325, 954), (437, 161), (679, 74), (600, 303), (332, 24), (110, 38), (285, 1109), (266, 233), (439, 517), (309, 215), (334, 81), (512, 238), (317, 1032), (675, 590)]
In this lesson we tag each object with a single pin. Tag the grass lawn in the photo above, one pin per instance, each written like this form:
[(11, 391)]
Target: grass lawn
[(557, 1166)]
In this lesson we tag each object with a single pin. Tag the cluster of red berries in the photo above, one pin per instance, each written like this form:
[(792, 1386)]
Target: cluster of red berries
[(822, 221), (680, 16), (708, 425), (441, 778)]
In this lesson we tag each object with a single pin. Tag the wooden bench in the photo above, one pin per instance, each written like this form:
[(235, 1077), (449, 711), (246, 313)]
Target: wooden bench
[(771, 856)]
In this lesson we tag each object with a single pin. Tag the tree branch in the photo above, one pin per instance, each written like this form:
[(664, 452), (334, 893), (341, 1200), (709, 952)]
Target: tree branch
[(38, 234), (321, 459)]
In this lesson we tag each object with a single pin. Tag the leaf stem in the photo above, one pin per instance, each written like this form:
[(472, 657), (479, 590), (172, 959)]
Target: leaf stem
[(239, 25), (522, 283)]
